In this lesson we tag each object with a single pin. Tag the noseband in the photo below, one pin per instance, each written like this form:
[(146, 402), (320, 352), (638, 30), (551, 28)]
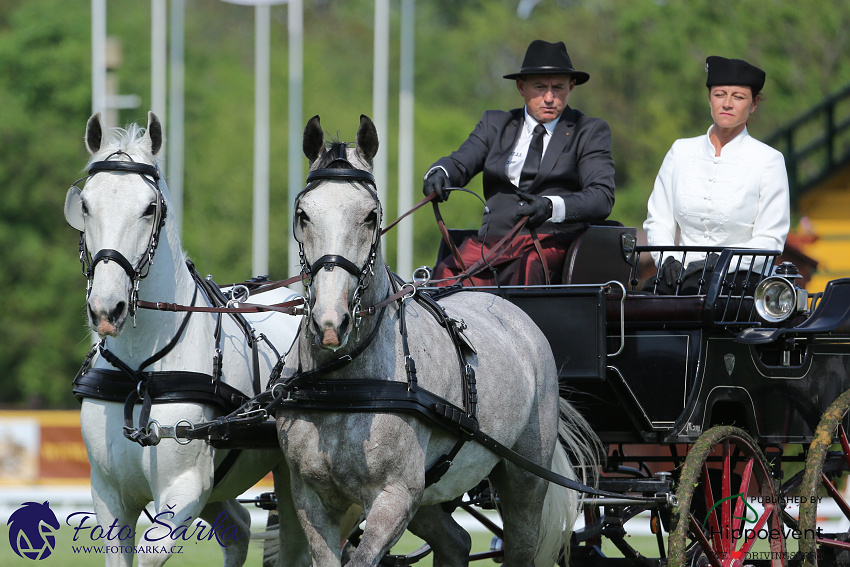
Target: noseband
[(150, 174), (346, 172)]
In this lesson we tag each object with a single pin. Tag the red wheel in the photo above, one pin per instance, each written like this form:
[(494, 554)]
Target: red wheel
[(715, 523), (823, 469)]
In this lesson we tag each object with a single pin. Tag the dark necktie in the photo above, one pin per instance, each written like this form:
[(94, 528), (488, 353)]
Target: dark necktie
[(532, 160)]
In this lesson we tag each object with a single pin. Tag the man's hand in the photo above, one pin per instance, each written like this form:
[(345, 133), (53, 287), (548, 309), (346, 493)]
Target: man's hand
[(537, 209), (437, 183)]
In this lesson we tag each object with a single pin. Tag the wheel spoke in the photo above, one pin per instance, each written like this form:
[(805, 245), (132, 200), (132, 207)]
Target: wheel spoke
[(845, 444), (834, 543), (740, 504), (726, 492), (704, 543), (713, 524), (769, 510), (836, 495)]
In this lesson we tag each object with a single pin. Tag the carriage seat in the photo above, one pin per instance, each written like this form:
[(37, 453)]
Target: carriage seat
[(603, 252), (608, 240)]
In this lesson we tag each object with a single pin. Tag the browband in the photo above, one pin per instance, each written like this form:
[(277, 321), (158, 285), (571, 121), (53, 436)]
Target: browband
[(128, 166), (340, 173)]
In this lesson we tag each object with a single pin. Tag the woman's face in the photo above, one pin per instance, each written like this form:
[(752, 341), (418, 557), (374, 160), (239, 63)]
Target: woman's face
[(731, 105)]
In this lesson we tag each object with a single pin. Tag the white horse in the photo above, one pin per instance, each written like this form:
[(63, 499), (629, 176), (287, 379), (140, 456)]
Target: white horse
[(378, 460), (121, 212)]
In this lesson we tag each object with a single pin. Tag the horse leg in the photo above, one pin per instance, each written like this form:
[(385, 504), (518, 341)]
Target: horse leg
[(449, 542), (386, 519), (111, 511), (320, 525), (177, 505), (294, 549), (521, 496), (230, 526)]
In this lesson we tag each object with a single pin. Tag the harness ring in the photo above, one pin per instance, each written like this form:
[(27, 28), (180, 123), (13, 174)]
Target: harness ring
[(176, 425)]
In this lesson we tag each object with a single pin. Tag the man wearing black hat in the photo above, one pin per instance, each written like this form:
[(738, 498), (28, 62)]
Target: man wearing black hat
[(724, 188), (571, 185)]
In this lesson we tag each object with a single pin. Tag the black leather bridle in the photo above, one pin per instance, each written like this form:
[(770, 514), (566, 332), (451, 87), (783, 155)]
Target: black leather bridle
[(344, 171), (150, 174)]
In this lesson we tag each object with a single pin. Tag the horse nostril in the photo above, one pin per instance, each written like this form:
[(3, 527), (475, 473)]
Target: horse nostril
[(92, 316), (343, 326), (117, 312)]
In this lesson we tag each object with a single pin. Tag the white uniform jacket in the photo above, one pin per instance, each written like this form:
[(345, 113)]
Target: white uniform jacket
[(738, 199)]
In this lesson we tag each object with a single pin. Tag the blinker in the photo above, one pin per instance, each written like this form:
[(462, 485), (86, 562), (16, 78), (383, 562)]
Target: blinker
[(74, 208)]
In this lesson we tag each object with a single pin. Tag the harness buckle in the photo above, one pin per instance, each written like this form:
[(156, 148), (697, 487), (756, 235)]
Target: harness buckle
[(251, 415)]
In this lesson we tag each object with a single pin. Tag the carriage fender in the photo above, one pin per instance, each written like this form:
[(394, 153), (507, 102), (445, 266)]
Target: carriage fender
[(730, 405)]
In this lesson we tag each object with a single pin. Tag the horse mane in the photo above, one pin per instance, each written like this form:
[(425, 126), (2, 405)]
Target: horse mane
[(128, 140)]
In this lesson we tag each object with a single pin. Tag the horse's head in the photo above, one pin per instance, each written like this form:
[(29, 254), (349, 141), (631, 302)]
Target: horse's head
[(120, 212), (337, 224)]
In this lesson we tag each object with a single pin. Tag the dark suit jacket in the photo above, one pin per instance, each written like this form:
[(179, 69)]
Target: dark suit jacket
[(577, 166)]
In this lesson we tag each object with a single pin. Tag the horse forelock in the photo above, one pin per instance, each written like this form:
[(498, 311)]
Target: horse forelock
[(330, 158), (128, 140)]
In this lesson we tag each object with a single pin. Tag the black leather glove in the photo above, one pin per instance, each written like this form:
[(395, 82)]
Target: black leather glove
[(537, 209), (670, 271), (437, 183)]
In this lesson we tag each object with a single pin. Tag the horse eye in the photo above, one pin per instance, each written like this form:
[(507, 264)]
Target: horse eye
[(372, 218), (85, 208), (302, 217), (151, 210)]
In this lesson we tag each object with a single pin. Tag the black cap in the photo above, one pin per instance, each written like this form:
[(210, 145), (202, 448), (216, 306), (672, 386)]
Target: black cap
[(544, 58), (722, 71)]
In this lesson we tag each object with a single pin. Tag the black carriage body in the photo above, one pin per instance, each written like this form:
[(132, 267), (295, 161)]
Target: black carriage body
[(675, 365)]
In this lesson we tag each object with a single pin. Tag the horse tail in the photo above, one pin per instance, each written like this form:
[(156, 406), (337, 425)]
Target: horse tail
[(561, 506), (584, 449)]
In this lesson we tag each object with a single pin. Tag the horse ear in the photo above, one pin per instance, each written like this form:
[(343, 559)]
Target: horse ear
[(314, 139), (94, 133), (367, 138), (154, 133)]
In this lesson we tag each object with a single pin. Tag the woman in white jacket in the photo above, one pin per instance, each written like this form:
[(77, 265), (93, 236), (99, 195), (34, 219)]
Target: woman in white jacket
[(724, 188)]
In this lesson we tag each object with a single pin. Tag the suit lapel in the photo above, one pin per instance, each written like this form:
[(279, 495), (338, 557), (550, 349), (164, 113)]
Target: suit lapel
[(507, 142), (561, 138)]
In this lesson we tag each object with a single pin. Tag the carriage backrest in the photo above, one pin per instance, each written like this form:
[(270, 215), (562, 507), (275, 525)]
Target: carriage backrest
[(609, 240), (603, 252)]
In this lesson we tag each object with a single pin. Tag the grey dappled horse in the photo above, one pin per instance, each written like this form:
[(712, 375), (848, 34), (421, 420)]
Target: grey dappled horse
[(379, 460)]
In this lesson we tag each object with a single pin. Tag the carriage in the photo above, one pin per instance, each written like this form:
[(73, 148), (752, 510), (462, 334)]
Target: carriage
[(722, 412)]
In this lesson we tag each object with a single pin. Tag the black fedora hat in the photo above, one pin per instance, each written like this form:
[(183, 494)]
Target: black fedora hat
[(544, 58)]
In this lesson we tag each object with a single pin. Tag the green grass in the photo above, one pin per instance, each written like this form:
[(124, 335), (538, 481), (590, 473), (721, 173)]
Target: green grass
[(208, 553), (194, 553)]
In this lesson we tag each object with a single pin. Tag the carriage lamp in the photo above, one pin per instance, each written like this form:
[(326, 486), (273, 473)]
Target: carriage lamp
[(776, 299)]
